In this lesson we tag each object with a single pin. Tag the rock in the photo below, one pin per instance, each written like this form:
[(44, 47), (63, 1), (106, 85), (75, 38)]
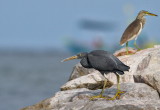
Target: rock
[(149, 70), (91, 81), (84, 80), (141, 83), (122, 51), (138, 96), (79, 71), (116, 105), (43, 105), (56, 101)]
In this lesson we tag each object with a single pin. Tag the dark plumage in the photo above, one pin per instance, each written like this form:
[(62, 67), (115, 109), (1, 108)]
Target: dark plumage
[(104, 62)]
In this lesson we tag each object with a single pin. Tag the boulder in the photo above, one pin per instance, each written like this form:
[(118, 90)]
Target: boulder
[(91, 81), (137, 96), (79, 70), (149, 70)]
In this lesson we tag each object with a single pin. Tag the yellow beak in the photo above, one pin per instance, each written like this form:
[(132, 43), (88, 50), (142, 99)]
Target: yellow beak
[(70, 58), (151, 14)]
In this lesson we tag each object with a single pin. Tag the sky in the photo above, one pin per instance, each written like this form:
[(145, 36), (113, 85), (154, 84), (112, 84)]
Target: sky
[(42, 24)]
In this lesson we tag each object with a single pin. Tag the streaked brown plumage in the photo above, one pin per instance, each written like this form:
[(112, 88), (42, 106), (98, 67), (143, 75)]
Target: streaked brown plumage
[(132, 31), (135, 28)]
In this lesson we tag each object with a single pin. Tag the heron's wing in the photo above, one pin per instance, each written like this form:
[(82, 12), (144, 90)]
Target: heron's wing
[(102, 63), (100, 53), (131, 31), (121, 66), (103, 60)]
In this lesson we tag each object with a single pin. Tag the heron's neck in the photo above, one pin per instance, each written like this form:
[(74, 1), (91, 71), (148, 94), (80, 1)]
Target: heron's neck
[(140, 17), (85, 62)]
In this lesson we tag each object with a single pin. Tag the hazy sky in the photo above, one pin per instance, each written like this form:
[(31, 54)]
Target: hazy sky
[(45, 23)]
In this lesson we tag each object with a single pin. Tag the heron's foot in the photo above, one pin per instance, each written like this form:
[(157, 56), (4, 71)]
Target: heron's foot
[(98, 96), (117, 95), (129, 53), (137, 47)]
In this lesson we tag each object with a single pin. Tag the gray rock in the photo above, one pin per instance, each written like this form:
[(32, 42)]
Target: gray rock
[(142, 84), (91, 81), (110, 105), (148, 71), (138, 96), (79, 71)]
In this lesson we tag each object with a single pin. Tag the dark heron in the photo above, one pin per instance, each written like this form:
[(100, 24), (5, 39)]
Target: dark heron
[(104, 62), (134, 29)]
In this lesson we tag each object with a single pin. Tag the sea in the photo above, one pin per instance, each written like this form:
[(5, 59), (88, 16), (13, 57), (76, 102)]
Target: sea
[(28, 79)]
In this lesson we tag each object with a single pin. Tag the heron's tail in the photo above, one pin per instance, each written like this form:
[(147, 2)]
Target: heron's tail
[(124, 68), (120, 72)]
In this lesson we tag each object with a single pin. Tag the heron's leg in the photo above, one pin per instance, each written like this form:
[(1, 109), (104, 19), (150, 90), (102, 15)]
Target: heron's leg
[(127, 48), (136, 45), (104, 86), (101, 94), (118, 93)]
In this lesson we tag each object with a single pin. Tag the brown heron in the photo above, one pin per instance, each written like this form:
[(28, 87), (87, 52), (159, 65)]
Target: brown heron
[(104, 62), (134, 29)]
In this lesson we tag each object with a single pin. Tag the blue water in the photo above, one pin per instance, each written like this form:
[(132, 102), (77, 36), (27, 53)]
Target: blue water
[(26, 80)]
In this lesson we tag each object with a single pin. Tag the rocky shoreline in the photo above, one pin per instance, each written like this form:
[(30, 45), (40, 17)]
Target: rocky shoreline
[(141, 85)]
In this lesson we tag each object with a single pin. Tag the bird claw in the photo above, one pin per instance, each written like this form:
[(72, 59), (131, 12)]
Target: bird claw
[(138, 49), (98, 96), (117, 95), (130, 53)]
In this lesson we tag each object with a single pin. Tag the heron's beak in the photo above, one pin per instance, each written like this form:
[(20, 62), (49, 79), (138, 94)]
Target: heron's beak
[(70, 58), (151, 14)]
